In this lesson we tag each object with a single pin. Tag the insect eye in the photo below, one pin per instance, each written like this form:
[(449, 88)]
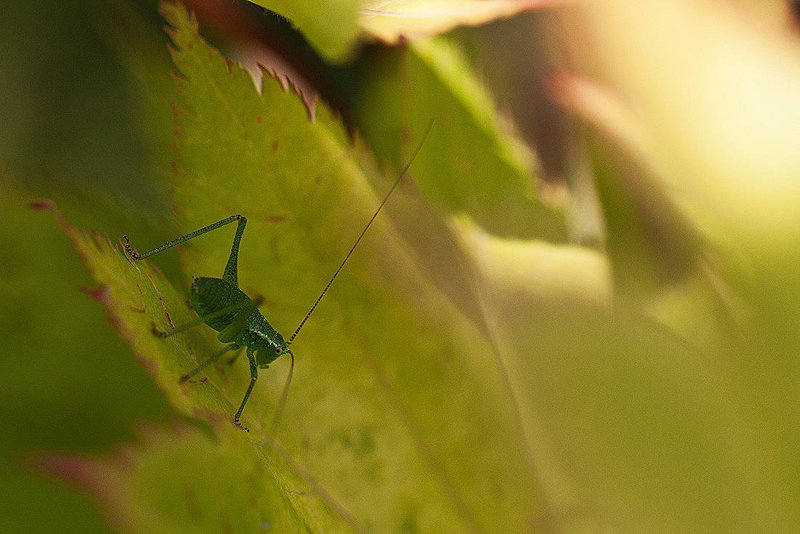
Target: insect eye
[(278, 350)]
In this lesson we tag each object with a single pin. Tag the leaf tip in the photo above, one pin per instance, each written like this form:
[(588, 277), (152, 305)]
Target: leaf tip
[(80, 472), (42, 205), (100, 294)]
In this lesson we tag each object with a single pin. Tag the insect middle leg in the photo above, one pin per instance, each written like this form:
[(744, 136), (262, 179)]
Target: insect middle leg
[(245, 306), (212, 359)]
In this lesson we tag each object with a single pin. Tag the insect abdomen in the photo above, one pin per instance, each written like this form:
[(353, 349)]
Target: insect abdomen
[(212, 295)]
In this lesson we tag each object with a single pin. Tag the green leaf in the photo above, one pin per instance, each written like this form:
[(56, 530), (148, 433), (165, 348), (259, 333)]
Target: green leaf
[(390, 390), (398, 418)]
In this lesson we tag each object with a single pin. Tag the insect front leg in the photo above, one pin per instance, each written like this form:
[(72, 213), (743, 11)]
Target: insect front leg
[(253, 377)]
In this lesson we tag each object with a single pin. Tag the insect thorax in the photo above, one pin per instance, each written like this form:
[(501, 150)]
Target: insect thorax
[(269, 343)]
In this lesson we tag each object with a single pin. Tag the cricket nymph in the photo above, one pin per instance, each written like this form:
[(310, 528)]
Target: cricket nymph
[(220, 304), (210, 297)]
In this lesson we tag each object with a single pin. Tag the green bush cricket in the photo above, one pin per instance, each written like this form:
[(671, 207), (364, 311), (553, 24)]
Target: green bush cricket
[(220, 304)]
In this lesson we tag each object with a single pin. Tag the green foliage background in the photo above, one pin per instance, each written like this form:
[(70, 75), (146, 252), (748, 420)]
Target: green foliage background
[(470, 370)]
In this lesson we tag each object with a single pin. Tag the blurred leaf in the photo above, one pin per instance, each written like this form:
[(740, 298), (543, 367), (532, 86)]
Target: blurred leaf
[(72, 127), (701, 104), (476, 165), (333, 27), (60, 358), (736, 176), (630, 422), (211, 485), (68, 382), (33, 504), (390, 21), (330, 26), (649, 238)]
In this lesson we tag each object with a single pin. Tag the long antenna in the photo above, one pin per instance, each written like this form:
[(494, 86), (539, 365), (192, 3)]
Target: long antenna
[(364, 231)]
